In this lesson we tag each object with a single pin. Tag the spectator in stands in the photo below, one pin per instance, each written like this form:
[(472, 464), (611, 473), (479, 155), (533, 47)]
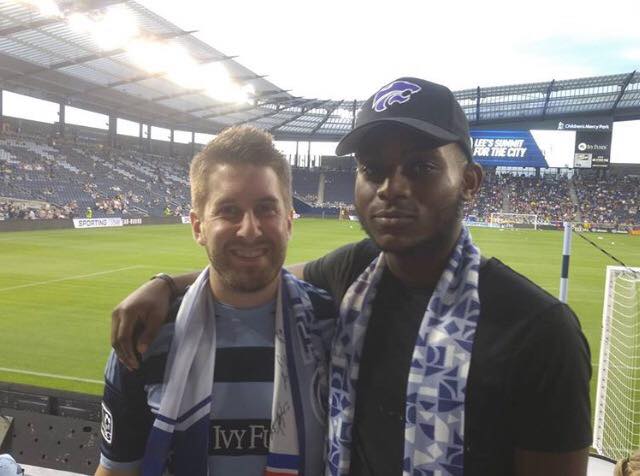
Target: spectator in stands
[(629, 466), (32, 170), (398, 398), (610, 202), (247, 316), (13, 210), (547, 197)]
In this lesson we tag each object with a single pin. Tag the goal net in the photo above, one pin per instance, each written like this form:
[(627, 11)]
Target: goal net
[(504, 219), (617, 416)]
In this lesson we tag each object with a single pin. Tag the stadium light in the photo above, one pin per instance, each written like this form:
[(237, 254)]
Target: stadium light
[(250, 91), (115, 28), (148, 55), (79, 23), (220, 87), (180, 68), (228, 92), (110, 30), (47, 8)]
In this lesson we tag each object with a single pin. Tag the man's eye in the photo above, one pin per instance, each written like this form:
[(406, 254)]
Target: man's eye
[(228, 211), (265, 209), (419, 168), (371, 172)]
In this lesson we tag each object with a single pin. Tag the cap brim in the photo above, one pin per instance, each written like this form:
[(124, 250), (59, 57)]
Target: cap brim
[(349, 143)]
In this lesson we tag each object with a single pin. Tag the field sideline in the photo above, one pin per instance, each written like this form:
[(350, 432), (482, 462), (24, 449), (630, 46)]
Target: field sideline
[(57, 288)]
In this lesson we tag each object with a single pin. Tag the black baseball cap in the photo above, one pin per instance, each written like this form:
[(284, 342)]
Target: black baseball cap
[(421, 105)]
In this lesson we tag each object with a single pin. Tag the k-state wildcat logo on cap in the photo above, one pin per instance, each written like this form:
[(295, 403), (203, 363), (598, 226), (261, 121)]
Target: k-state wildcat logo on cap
[(397, 92)]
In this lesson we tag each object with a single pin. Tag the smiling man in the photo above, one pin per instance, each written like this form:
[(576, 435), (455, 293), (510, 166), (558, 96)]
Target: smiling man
[(444, 362), (236, 385)]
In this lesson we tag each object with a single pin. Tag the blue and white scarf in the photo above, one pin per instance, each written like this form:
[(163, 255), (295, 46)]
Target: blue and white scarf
[(181, 427), (434, 419)]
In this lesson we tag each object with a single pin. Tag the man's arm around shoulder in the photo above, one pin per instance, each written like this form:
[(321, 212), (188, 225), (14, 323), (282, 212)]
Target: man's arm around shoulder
[(102, 471)]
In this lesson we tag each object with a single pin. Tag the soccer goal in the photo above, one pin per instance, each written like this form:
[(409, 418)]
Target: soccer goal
[(504, 219), (617, 416)]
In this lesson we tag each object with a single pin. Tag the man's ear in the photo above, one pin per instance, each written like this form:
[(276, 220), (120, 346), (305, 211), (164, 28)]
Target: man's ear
[(472, 176), (290, 221), (196, 228)]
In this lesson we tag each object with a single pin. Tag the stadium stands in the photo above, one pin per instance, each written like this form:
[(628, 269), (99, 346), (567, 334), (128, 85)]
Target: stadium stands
[(490, 199), (609, 202), (76, 178), (338, 188), (42, 181), (305, 184), (548, 197)]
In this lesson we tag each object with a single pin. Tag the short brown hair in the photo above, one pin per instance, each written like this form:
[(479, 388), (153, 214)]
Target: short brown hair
[(245, 145)]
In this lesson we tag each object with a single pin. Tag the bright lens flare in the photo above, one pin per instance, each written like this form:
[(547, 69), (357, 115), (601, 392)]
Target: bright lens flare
[(79, 23), (146, 55), (110, 30), (221, 87), (47, 8), (116, 27)]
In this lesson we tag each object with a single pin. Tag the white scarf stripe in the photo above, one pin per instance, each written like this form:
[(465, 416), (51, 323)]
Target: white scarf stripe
[(183, 425)]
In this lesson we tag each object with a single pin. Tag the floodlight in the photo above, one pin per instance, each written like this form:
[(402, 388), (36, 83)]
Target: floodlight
[(181, 68), (146, 54), (238, 94), (110, 30), (47, 8), (79, 23), (115, 28), (228, 92), (249, 90), (217, 93), (214, 74)]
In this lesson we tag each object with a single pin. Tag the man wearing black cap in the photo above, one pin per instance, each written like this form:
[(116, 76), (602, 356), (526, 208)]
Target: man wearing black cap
[(444, 362)]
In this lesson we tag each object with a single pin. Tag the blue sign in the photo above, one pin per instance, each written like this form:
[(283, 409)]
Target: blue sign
[(506, 149)]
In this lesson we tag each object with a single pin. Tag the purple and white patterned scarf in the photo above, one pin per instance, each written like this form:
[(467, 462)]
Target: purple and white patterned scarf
[(434, 419)]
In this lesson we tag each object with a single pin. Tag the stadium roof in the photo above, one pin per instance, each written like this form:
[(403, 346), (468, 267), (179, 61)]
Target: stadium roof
[(44, 54)]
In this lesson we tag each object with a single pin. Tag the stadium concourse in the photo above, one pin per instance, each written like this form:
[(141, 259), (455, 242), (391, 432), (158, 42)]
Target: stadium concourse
[(46, 178)]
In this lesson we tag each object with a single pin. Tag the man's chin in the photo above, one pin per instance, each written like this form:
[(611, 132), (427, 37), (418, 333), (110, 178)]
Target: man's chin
[(250, 282), (407, 244), (396, 246)]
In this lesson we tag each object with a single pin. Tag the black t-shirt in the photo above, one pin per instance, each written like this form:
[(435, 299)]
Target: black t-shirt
[(528, 383)]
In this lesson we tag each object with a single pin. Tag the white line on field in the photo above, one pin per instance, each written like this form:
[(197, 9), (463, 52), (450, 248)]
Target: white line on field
[(69, 278), (43, 374)]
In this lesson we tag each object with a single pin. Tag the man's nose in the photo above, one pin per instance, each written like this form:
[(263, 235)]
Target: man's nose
[(250, 226), (395, 185)]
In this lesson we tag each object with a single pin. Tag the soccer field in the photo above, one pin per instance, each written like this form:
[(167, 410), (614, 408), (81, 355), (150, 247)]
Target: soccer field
[(57, 288)]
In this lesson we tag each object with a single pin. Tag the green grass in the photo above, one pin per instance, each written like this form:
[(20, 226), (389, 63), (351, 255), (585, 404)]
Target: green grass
[(57, 288)]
